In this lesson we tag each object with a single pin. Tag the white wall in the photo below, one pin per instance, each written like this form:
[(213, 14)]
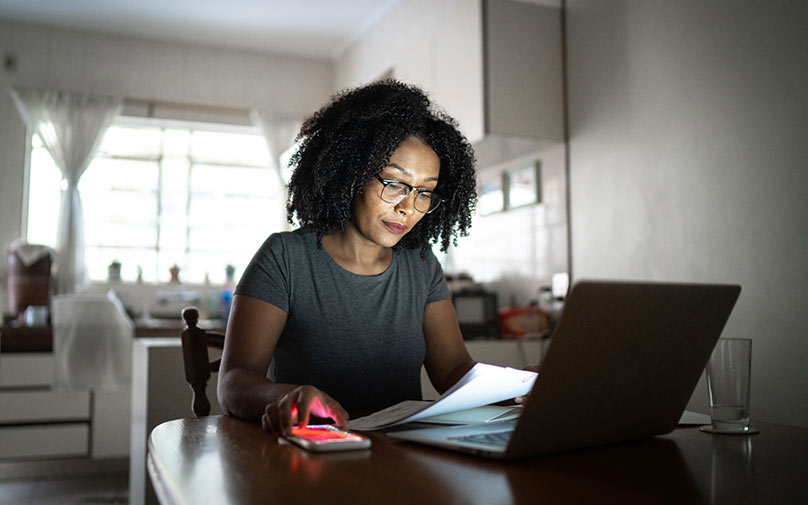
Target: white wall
[(139, 68), (516, 252), (688, 162)]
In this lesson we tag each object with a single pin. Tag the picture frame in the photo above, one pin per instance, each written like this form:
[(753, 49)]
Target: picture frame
[(492, 194), (523, 185)]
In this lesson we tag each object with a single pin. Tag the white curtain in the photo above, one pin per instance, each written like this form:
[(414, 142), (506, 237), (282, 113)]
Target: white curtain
[(279, 132), (71, 126)]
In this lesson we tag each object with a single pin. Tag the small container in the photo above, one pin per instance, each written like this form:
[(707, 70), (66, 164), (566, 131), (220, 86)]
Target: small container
[(36, 315), (114, 271)]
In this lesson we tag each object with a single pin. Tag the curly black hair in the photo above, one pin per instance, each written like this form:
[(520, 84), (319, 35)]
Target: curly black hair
[(350, 139)]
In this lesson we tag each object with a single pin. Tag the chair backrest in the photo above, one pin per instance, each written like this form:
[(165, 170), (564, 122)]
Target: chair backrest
[(198, 367)]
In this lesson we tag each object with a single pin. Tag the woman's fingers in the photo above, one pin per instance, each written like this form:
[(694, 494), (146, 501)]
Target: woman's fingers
[(522, 400), (314, 401), (296, 407)]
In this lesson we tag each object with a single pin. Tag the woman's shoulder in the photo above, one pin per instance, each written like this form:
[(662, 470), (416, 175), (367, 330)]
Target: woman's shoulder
[(415, 257), (301, 237), (285, 244)]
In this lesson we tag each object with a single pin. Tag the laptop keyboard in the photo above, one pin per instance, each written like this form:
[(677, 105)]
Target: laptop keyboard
[(497, 439)]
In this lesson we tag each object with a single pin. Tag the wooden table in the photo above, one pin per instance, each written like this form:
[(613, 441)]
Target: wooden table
[(222, 460)]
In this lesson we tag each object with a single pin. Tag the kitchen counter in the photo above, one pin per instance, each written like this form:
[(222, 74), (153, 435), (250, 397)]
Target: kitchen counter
[(165, 327)]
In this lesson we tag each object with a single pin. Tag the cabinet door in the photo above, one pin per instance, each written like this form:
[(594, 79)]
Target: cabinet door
[(40, 406), (44, 441), (112, 423), (26, 369)]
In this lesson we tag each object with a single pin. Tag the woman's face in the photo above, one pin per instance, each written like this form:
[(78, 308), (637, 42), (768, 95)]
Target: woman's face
[(382, 223)]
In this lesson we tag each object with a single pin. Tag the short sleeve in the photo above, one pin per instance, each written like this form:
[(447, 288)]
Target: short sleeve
[(267, 275), (438, 290)]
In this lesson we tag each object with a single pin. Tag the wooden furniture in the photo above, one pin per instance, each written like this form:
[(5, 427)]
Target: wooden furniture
[(195, 343), (227, 461), (159, 394), (26, 339), (28, 285)]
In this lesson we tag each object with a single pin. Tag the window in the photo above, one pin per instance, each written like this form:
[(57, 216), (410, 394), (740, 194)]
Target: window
[(160, 194)]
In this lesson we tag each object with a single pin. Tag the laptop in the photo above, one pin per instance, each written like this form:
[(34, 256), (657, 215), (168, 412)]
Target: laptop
[(623, 363)]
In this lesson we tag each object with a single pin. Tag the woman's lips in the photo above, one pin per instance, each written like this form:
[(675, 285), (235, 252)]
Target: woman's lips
[(396, 228)]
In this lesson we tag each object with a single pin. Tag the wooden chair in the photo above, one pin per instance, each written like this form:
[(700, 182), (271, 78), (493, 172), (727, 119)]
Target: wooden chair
[(195, 343)]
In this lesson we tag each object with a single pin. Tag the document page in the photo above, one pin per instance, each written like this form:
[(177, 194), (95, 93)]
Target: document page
[(482, 385), (478, 415)]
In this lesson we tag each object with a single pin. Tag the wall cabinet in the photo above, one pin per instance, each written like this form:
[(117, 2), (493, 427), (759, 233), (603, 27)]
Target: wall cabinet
[(522, 70), (521, 80), (494, 65)]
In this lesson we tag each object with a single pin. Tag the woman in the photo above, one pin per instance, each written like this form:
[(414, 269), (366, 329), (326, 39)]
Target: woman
[(346, 309)]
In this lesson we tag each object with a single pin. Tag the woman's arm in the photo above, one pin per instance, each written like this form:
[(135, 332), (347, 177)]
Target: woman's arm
[(244, 391), (447, 359), (253, 330)]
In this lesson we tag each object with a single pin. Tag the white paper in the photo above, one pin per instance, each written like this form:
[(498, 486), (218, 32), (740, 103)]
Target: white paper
[(482, 385), (478, 415)]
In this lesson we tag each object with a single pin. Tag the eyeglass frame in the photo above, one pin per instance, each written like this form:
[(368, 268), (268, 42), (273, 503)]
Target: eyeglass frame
[(419, 191)]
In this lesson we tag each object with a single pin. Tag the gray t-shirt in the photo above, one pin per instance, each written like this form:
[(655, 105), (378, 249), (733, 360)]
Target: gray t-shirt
[(358, 338)]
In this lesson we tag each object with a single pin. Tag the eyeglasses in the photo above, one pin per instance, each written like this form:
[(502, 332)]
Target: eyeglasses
[(395, 192)]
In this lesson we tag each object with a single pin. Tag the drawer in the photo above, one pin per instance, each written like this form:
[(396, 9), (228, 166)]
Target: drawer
[(44, 406), (18, 442), (26, 369)]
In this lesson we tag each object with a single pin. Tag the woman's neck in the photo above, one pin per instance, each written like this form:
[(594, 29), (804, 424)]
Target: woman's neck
[(357, 254)]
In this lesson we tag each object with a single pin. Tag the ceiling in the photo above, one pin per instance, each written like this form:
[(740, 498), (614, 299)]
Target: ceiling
[(308, 28)]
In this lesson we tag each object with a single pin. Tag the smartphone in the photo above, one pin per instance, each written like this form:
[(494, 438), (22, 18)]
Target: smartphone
[(326, 438)]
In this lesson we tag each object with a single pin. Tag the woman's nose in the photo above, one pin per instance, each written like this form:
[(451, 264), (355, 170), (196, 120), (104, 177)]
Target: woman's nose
[(407, 205)]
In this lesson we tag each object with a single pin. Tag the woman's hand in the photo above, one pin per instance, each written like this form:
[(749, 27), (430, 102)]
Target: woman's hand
[(521, 400), (295, 407)]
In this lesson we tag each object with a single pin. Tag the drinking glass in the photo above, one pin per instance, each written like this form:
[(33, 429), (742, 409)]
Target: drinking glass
[(728, 382)]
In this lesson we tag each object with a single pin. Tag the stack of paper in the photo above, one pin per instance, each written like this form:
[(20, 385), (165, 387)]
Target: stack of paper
[(482, 385), (477, 415)]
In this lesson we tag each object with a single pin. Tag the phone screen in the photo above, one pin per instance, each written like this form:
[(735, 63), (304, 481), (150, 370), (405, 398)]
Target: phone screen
[(326, 437)]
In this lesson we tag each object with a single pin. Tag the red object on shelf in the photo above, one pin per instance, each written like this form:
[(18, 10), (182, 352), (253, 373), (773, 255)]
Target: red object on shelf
[(523, 322)]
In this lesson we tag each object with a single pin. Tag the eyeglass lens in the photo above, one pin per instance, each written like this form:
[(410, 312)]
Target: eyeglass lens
[(395, 192)]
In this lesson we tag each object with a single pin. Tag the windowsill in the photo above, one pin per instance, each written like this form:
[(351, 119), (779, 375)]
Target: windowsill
[(162, 301)]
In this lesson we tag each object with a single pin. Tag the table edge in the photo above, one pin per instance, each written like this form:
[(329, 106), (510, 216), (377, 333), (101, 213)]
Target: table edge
[(166, 495)]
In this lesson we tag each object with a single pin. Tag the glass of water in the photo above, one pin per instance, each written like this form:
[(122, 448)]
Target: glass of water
[(728, 381)]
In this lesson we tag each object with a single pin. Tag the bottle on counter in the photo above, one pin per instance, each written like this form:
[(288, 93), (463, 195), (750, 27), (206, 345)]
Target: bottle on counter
[(227, 292)]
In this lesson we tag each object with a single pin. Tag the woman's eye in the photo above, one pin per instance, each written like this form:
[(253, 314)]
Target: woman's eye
[(426, 196), (398, 188)]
